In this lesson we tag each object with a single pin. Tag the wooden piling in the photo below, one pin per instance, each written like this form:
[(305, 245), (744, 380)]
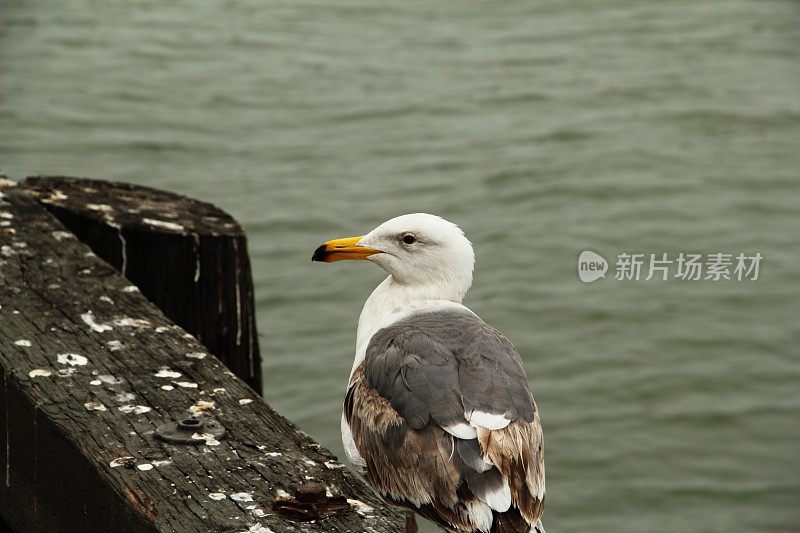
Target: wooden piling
[(91, 371), (187, 257)]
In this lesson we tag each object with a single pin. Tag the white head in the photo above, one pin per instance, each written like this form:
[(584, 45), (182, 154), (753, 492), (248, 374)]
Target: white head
[(419, 250)]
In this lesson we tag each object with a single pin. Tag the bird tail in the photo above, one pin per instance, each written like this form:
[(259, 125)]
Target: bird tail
[(513, 522)]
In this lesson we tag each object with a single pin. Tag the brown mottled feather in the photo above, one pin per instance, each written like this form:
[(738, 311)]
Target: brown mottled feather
[(408, 465), (416, 468), (518, 452)]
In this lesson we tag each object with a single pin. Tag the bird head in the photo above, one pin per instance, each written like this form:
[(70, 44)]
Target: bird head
[(416, 250)]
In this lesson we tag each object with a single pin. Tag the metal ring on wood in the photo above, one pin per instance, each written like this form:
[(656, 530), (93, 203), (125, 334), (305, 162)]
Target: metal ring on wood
[(190, 431)]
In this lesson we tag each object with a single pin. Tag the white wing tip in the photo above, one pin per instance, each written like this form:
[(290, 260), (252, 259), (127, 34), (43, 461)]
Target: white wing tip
[(480, 514), (499, 500), (461, 430), (487, 420)]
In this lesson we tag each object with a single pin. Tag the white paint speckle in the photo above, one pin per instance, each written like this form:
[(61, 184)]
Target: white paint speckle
[(274, 454), (282, 493), (100, 207), (186, 384), (208, 437), (202, 406), (123, 397), (167, 387), (114, 345), (123, 246), (167, 373), (135, 409), (163, 224), (309, 462), (66, 372), (161, 329), (121, 461), (145, 467), (88, 319), (245, 401), (39, 373), (95, 382), (196, 355), (219, 390), (6, 215), (24, 343), (57, 196), (258, 513), (108, 379), (95, 406), (163, 462), (242, 497), (72, 359), (132, 322), (131, 288), (333, 465), (217, 496), (106, 299), (61, 235), (361, 508)]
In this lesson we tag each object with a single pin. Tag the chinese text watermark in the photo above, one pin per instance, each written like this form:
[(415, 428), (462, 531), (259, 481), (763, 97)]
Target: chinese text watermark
[(718, 266)]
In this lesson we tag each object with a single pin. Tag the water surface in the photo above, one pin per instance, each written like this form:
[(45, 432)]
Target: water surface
[(543, 129)]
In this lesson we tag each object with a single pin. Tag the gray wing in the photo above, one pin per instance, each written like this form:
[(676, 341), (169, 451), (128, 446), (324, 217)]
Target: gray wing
[(441, 412), (449, 366)]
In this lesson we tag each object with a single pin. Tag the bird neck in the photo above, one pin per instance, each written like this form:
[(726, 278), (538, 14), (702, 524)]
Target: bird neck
[(392, 301)]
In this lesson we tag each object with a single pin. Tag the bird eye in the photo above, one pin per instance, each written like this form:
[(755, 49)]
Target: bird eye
[(409, 239)]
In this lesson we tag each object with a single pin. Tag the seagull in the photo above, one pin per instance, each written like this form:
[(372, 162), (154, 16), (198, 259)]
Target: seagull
[(438, 414)]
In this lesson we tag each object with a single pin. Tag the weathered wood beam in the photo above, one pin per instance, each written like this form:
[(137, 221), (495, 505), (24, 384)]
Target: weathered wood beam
[(187, 257), (90, 370)]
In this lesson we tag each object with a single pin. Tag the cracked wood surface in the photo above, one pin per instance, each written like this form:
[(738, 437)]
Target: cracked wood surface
[(188, 257), (91, 368)]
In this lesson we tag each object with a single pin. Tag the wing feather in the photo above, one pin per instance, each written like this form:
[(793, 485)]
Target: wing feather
[(441, 412)]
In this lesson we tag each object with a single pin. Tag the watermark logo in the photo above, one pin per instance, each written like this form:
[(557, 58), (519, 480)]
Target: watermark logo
[(719, 266), (591, 266)]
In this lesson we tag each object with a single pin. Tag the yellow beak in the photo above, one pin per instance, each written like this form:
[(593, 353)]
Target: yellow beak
[(339, 249)]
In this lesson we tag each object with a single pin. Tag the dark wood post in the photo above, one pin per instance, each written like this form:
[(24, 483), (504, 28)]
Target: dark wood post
[(93, 378), (187, 257)]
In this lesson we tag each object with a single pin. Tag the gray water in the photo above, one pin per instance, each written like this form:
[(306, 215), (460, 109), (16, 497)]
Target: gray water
[(543, 128)]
